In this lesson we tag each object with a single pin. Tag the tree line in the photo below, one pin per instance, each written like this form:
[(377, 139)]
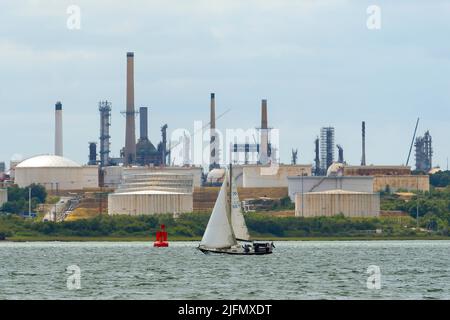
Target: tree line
[(18, 199), (193, 226), (432, 208)]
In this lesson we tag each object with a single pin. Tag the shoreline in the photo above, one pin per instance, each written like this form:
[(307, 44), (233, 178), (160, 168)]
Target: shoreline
[(197, 239)]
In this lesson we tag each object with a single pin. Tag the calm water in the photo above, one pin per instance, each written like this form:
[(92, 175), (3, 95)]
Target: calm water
[(297, 270)]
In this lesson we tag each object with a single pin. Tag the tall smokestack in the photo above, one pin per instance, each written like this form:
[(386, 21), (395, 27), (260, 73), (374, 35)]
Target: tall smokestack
[(58, 130), (213, 163), (264, 148), (143, 116), (264, 124), (363, 158), (213, 111), (130, 131), (92, 153), (317, 158), (164, 145), (340, 154)]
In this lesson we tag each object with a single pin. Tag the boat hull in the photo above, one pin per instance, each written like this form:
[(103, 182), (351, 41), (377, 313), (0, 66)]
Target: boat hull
[(258, 249)]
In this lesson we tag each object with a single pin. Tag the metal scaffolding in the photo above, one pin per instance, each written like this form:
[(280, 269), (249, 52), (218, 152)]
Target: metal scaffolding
[(424, 152), (326, 147), (105, 122)]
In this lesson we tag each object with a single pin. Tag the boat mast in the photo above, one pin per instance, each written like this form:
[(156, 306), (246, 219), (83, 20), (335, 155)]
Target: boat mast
[(231, 187)]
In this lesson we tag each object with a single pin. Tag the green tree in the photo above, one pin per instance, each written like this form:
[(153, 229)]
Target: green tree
[(38, 191), (18, 198), (440, 179)]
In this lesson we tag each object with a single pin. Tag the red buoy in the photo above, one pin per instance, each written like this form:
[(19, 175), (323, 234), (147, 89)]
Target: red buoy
[(161, 238)]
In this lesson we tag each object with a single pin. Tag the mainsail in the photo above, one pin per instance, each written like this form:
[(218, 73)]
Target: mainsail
[(237, 218), (219, 233)]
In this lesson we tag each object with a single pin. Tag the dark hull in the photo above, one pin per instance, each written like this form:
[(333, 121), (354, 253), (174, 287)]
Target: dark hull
[(239, 251)]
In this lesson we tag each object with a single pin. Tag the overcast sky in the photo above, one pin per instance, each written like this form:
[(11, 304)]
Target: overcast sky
[(316, 63)]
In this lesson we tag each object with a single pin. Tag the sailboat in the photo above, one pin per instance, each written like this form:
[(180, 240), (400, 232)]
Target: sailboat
[(227, 228)]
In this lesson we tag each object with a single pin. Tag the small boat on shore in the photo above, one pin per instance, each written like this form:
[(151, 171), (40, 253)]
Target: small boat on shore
[(227, 232)]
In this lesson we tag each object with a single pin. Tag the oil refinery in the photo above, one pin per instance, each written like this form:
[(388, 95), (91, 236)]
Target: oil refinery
[(224, 155), (145, 181)]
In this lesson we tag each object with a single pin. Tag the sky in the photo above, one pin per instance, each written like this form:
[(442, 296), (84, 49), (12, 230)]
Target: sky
[(316, 62)]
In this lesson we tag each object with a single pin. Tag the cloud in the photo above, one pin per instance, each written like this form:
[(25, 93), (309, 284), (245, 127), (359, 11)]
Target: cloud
[(315, 61), (25, 55)]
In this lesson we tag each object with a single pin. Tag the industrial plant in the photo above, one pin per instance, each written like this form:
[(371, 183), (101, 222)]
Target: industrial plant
[(424, 153), (144, 181)]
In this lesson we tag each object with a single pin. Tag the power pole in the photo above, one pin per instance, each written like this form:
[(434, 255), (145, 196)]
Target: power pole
[(29, 201), (417, 203)]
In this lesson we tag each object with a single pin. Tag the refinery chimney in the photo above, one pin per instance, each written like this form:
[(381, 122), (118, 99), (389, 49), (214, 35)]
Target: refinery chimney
[(340, 153), (130, 130), (213, 162), (264, 148), (143, 126), (317, 169), (58, 130), (363, 158)]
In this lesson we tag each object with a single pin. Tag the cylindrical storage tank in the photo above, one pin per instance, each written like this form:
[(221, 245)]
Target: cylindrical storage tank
[(149, 202), (216, 176), (335, 202), (321, 184), (52, 172), (272, 176)]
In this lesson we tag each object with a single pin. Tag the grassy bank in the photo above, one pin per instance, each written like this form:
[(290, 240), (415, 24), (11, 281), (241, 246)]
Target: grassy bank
[(197, 239), (89, 239), (192, 226)]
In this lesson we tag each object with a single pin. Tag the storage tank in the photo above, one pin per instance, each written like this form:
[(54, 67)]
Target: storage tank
[(216, 176), (272, 176), (320, 184), (152, 193), (149, 202), (335, 202), (55, 173)]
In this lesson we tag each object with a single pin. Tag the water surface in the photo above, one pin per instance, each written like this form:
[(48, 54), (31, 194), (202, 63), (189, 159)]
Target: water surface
[(296, 270)]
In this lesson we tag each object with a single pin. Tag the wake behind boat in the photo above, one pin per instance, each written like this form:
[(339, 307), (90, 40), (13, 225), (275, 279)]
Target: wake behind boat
[(227, 226)]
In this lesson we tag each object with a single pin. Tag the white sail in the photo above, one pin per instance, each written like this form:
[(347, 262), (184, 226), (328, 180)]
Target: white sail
[(237, 218), (219, 233)]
